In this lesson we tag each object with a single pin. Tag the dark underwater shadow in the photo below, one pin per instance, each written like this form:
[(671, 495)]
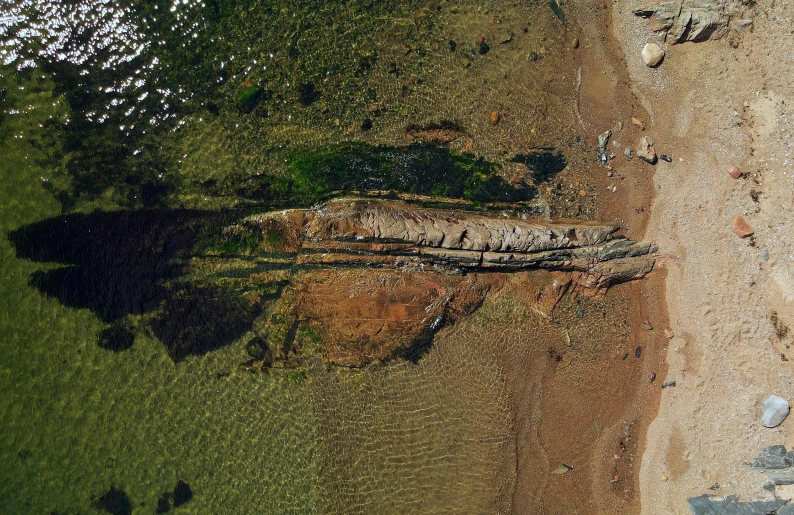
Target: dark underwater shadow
[(544, 164), (122, 263)]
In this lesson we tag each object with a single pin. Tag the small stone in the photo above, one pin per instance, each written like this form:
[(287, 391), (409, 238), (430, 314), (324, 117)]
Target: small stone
[(652, 54), (668, 384), (740, 227), (638, 123), (562, 468), (646, 325), (652, 378), (638, 352), (627, 152), (495, 117), (575, 43), (645, 150), (776, 410), (507, 37), (733, 171), (582, 193), (666, 158), (603, 139), (765, 255), (668, 334)]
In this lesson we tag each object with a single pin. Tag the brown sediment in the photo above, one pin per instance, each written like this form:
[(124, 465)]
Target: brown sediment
[(592, 409)]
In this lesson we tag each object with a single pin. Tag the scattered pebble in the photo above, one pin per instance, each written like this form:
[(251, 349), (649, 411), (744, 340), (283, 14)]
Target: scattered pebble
[(645, 150), (603, 139), (638, 123), (495, 117), (562, 468), (652, 54), (575, 43), (627, 152), (740, 227), (626, 355), (638, 352), (668, 384), (733, 171), (765, 256), (669, 334), (647, 325), (507, 37), (776, 410), (667, 158), (582, 193), (653, 377)]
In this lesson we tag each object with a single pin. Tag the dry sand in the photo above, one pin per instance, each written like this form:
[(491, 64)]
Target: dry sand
[(708, 105)]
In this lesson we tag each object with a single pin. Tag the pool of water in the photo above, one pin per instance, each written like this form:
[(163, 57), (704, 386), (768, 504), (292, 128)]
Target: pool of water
[(109, 107)]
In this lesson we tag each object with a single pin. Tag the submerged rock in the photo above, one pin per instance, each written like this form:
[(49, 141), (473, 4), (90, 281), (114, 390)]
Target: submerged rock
[(115, 501), (776, 409), (380, 277)]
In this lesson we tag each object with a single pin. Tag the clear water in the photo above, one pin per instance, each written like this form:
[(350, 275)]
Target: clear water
[(127, 105)]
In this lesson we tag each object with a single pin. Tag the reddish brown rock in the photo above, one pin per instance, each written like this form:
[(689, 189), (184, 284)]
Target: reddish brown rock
[(645, 150), (741, 227), (733, 171), (495, 117)]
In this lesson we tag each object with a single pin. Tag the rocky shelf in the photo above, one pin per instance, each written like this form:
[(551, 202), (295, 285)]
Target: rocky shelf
[(373, 280), (396, 234)]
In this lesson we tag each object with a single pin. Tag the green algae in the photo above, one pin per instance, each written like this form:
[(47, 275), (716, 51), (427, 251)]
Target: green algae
[(317, 174)]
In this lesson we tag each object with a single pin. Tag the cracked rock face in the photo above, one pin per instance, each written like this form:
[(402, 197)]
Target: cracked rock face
[(696, 20)]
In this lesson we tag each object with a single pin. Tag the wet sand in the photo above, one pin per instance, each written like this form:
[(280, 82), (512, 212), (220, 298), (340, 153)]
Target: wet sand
[(591, 410)]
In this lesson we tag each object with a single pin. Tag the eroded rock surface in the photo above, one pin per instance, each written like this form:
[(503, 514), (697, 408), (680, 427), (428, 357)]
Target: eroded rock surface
[(375, 279), (396, 234), (696, 20)]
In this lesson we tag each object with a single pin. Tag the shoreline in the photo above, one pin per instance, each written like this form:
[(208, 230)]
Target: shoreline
[(727, 296)]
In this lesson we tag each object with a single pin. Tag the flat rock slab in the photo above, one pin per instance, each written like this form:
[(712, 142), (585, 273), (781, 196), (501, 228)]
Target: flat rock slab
[(695, 20), (776, 462), (730, 505)]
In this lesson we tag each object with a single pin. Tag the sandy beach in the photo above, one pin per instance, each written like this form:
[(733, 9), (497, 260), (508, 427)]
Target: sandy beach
[(710, 104)]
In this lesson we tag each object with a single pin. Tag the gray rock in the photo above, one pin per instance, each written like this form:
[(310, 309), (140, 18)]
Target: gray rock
[(730, 505), (776, 463), (695, 20), (652, 54), (776, 410), (628, 152)]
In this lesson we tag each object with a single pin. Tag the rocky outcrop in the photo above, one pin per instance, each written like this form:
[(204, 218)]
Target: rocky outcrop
[(395, 234), (375, 279), (696, 20)]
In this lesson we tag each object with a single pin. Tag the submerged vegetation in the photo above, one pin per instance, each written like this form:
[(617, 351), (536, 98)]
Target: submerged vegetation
[(314, 175)]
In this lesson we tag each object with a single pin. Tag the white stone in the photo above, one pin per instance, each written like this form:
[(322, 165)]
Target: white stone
[(652, 55), (776, 410)]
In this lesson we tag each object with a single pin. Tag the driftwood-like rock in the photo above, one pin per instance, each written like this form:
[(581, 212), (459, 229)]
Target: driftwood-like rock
[(695, 20), (395, 234)]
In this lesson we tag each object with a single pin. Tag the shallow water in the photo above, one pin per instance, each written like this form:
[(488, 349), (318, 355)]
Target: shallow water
[(141, 107)]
